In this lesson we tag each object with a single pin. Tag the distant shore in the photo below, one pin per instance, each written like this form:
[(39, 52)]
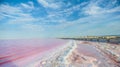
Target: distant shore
[(106, 39)]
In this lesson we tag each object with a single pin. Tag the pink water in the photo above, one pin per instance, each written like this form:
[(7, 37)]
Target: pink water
[(17, 53)]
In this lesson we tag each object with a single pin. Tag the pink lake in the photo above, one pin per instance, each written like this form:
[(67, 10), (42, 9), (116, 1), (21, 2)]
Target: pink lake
[(19, 53)]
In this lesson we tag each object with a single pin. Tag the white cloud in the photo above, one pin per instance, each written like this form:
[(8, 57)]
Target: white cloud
[(60, 16), (32, 27), (22, 20), (88, 21), (93, 8), (116, 9), (7, 9), (45, 3), (16, 14), (96, 10), (29, 5)]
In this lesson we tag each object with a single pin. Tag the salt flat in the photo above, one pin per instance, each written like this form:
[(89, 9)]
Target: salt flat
[(57, 53)]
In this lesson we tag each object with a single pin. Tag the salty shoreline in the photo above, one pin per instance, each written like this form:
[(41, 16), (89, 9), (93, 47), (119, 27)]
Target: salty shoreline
[(83, 54), (58, 58)]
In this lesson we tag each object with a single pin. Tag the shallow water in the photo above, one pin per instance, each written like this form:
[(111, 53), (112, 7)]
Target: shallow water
[(19, 53), (88, 50)]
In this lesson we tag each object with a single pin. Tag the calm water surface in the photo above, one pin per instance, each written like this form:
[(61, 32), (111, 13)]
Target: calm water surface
[(17, 53)]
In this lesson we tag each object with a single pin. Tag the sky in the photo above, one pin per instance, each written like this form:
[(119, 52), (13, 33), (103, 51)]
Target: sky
[(58, 18)]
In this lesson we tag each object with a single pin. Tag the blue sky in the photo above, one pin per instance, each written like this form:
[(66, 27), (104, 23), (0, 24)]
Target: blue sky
[(58, 18)]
